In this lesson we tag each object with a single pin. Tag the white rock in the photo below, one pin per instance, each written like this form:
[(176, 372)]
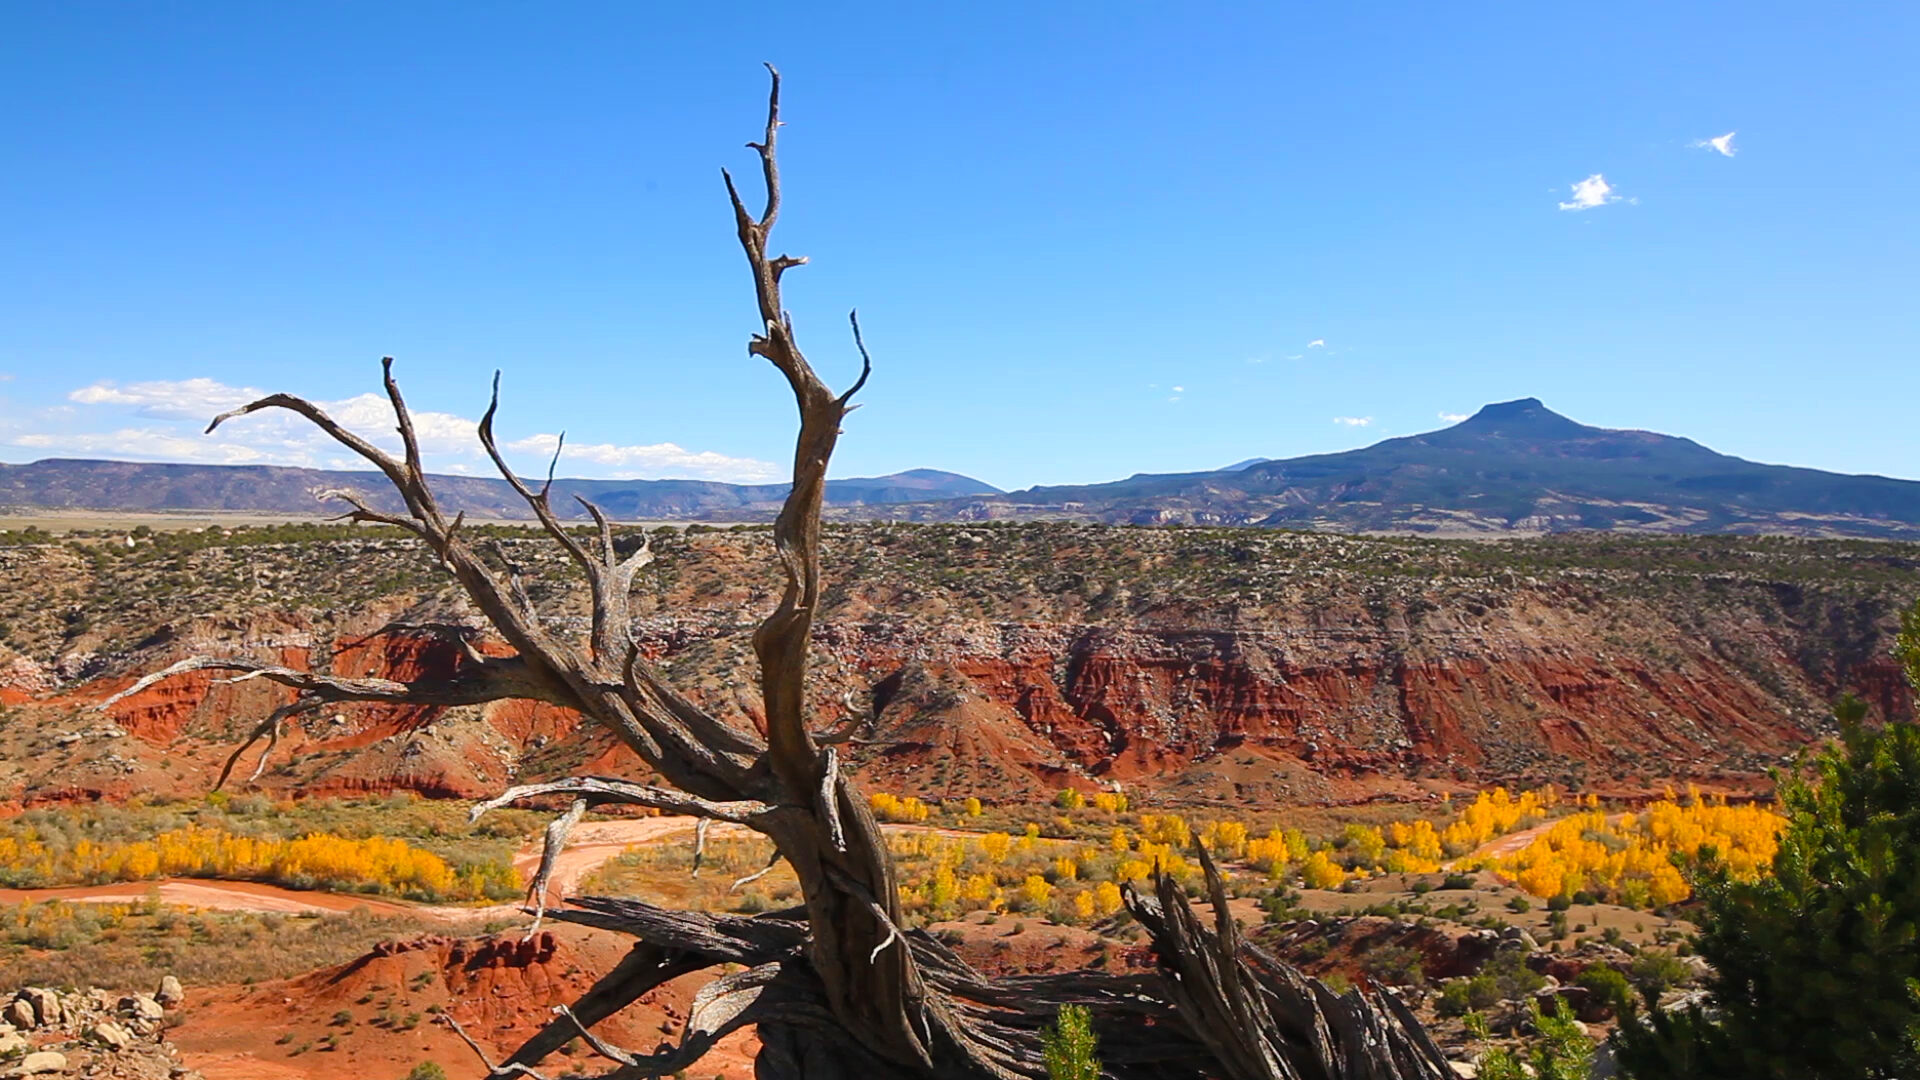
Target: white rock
[(110, 1035), (142, 1007), (38, 1062), (171, 994)]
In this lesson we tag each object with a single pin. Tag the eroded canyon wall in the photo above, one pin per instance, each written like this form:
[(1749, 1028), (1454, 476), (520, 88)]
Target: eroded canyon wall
[(1200, 666)]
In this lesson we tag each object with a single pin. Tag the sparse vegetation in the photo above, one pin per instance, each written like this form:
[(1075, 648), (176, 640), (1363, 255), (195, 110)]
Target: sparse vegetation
[(129, 947)]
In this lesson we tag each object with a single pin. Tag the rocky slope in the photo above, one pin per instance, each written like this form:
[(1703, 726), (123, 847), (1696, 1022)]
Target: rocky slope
[(90, 1032), (1197, 666)]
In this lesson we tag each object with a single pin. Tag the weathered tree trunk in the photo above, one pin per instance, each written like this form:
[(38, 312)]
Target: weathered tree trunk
[(836, 987)]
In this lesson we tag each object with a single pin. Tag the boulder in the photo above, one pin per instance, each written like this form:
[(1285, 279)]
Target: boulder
[(12, 1043), (110, 1035), (46, 1004), (171, 994), (19, 1012), (142, 1007), (40, 1062)]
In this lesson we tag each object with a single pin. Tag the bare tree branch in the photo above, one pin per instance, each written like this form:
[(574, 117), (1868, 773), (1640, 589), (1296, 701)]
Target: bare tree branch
[(493, 1071), (496, 680), (551, 846), (772, 861), (362, 512), (535, 500), (604, 1049), (600, 789), (866, 361), (270, 729), (700, 828)]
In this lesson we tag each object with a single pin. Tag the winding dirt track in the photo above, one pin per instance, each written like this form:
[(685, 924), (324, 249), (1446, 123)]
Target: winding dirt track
[(213, 895), (590, 846), (1501, 846)]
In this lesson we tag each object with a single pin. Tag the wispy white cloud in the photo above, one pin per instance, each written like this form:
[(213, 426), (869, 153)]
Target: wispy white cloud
[(1719, 144), (169, 414), (149, 444), (653, 460), (6, 376), (1453, 417), (176, 399), (1317, 343), (1353, 421), (1592, 192)]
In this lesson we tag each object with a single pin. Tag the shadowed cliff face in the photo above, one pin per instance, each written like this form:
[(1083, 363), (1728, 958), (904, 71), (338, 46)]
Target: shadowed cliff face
[(1203, 667)]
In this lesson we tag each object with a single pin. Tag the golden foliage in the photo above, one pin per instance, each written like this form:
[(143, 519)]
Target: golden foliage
[(316, 860), (1493, 814), (1629, 858), (894, 808), (1321, 872)]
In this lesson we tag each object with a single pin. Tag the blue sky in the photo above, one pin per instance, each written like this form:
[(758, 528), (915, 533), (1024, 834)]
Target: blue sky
[(1085, 241)]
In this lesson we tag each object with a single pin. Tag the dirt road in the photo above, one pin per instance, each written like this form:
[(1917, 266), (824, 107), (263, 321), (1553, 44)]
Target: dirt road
[(214, 895), (1512, 842)]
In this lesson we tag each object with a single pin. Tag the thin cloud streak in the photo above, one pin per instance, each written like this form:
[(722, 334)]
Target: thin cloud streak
[(170, 413)]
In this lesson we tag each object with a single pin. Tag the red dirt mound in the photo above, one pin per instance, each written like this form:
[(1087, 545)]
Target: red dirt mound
[(942, 735), (379, 1014)]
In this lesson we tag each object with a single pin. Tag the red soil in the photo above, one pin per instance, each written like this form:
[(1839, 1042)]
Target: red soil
[(381, 1011)]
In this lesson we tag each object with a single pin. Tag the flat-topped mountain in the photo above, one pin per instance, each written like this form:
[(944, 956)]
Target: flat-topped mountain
[(1512, 466), (124, 485)]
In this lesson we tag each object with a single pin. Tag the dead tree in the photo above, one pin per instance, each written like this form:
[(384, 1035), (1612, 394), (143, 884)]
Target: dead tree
[(837, 987)]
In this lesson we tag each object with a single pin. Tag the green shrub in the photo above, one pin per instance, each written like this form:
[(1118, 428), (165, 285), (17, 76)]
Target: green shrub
[(1608, 988), (1395, 965), (1069, 1046), (1655, 972), (1560, 1050)]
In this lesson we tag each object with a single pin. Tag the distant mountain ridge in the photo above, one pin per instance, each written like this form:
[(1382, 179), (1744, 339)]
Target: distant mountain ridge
[(122, 485), (1514, 466)]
